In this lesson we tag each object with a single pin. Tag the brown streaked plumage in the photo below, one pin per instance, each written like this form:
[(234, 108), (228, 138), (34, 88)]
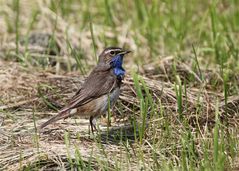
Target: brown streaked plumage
[(102, 86)]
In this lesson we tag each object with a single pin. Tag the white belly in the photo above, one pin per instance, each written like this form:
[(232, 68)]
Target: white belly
[(107, 101)]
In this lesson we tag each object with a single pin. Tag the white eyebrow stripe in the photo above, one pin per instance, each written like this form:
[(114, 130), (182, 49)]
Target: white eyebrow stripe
[(112, 49)]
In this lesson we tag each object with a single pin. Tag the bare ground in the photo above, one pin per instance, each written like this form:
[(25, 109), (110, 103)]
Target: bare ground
[(29, 95)]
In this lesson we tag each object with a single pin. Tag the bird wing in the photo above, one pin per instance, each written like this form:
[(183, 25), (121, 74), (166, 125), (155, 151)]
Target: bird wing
[(100, 82)]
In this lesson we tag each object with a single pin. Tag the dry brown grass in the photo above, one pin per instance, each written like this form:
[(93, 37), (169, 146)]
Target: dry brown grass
[(20, 99), (39, 80)]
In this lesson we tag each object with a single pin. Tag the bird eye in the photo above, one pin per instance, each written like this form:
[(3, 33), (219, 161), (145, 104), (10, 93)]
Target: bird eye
[(112, 53)]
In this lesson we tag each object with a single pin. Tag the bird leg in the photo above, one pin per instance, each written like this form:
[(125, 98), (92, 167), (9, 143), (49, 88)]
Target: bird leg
[(92, 124)]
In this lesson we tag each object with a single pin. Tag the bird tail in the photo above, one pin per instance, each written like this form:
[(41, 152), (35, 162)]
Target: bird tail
[(61, 115)]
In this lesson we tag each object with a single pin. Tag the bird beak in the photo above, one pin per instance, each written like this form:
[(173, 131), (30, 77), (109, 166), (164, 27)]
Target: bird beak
[(124, 52)]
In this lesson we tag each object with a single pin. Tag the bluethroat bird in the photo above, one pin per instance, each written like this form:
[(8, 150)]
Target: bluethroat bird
[(99, 91)]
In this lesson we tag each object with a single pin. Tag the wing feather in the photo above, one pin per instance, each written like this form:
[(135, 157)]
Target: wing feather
[(100, 82)]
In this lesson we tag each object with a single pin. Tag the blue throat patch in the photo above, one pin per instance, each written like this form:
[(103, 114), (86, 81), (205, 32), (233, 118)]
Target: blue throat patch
[(116, 63)]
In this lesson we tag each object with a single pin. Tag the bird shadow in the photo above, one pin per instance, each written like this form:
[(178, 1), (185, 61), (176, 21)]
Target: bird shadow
[(117, 135), (106, 135)]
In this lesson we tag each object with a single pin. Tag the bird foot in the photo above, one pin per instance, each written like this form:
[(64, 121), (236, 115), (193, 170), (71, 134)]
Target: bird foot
[(93, 125)]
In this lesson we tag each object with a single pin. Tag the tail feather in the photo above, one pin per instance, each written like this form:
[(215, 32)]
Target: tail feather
[(61, 115)]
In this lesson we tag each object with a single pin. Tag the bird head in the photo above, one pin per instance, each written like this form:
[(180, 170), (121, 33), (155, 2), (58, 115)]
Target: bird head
[(113, 56)]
